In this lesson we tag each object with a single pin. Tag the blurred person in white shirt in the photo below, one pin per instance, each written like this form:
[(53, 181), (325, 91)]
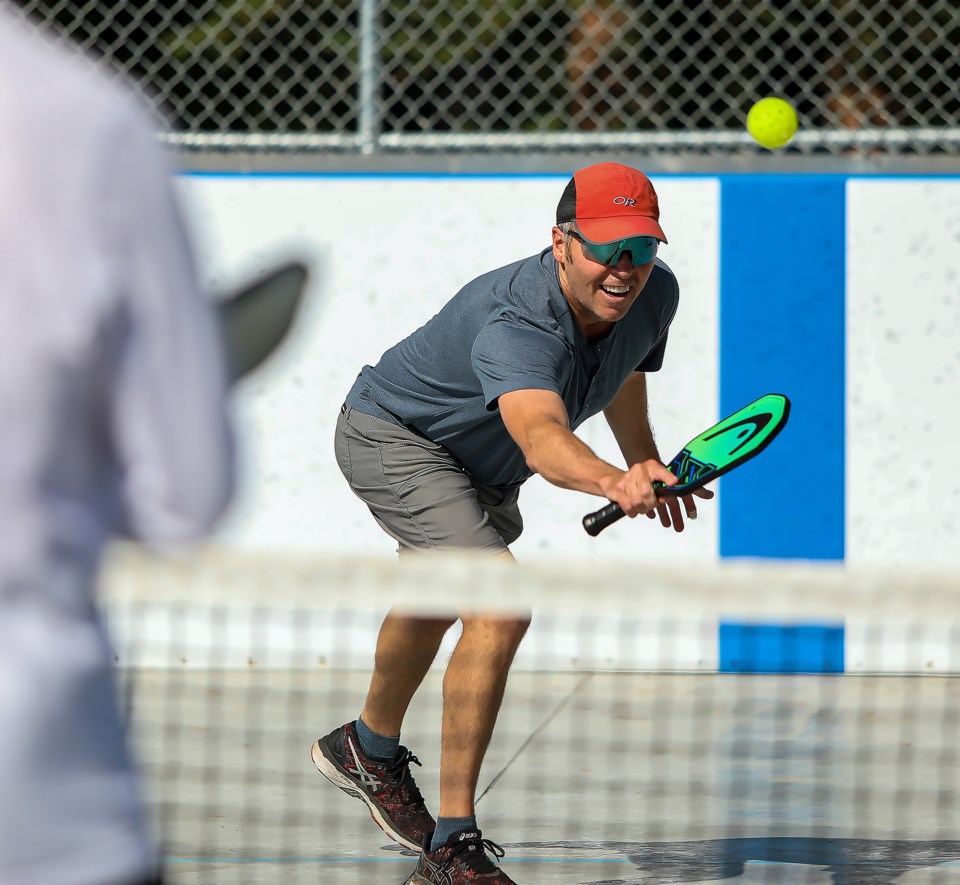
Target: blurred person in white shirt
[(114, 416)]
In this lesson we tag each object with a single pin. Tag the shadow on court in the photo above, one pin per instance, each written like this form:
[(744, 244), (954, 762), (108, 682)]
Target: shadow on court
[(849, 861)]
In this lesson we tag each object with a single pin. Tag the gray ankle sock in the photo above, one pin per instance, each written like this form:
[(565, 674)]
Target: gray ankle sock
[(449, 826), (379, 747)]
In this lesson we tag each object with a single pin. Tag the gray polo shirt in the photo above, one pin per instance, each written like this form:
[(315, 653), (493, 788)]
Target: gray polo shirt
[(510, 329)]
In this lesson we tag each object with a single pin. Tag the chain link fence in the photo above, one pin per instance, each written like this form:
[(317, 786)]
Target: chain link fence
[(660, 75)]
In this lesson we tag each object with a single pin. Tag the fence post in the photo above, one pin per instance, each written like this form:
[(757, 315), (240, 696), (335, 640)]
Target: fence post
[(368, 126)]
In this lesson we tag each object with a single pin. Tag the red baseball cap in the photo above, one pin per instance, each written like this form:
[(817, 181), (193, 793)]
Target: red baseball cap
[(610, 202)]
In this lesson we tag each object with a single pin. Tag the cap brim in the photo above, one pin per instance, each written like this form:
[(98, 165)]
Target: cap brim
[(609, 230)]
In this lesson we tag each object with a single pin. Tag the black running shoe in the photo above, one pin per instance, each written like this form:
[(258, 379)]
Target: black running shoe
[(461, 859), (388, 788)]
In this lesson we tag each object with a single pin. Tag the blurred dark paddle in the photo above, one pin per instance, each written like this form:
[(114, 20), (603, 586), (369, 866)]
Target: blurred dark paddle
[(256, 318)]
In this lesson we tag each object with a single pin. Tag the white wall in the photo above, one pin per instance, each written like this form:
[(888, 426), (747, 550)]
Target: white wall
[(390, 250), (903, 372)]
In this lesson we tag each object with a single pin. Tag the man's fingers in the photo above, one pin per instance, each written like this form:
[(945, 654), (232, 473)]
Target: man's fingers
[(671, 510), (659, 472), (676, 513), (664, 515)]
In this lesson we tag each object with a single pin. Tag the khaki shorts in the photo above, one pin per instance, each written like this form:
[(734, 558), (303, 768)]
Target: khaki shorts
[(418, 492)]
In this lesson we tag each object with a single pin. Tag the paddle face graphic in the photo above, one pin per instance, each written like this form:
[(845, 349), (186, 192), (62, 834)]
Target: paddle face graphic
[(735, 439), (729, 443)]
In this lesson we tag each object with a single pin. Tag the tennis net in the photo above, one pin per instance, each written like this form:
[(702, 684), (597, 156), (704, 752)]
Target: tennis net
[(659, 725)]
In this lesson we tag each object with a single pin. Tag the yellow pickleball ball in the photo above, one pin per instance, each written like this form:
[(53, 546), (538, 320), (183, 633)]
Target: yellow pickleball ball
[(772, 122)]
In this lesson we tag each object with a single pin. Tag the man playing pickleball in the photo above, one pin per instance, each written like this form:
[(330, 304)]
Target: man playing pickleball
[(438, 438)]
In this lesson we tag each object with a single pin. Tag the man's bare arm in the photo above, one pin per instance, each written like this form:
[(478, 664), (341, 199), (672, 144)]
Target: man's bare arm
[(629, 419), (538, 422)]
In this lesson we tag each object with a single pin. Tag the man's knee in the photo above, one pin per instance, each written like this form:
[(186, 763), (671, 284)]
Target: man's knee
[(418, 626), (504, 631)]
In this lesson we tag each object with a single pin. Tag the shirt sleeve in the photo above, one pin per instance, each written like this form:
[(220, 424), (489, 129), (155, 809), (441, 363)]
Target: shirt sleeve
[(511, 353), (653, 361), (169, 402)]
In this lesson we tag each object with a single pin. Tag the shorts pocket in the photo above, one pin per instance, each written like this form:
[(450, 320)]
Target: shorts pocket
[(341, 449)]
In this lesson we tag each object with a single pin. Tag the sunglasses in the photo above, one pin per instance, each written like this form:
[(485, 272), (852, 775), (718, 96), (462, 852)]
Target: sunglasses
[(642, 249)]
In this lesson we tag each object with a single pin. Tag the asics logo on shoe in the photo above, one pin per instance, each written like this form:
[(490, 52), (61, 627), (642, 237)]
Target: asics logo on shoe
[(364, 776), (468, 834), (439, 876)]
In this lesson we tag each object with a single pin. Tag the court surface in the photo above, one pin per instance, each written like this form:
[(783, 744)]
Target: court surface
[(596, 779)]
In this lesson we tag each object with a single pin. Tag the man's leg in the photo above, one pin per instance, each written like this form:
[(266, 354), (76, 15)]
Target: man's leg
[(364, 757), (406, 647), (421, 496), (473, 689)]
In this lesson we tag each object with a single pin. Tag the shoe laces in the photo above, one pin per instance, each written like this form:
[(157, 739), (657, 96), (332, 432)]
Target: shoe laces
[(400, 769), (473, 854)]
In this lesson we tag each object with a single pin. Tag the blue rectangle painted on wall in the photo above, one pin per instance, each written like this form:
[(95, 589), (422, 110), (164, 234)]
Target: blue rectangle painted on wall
[(781, 648), (783, 330)]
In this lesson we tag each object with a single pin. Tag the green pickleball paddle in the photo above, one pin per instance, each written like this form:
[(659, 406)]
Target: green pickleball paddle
[(728, 444)]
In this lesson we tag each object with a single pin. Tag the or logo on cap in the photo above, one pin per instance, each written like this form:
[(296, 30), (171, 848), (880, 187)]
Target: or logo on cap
[(624, 201)]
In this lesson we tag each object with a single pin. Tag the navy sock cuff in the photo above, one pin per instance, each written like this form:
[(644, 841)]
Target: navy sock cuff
[(379, 747), (450, 826)]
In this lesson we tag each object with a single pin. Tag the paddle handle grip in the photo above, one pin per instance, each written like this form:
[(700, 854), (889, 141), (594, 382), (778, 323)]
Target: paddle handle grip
[(596, 522)]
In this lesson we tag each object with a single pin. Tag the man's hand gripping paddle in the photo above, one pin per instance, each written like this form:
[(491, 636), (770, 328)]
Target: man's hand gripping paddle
[(728, 444)]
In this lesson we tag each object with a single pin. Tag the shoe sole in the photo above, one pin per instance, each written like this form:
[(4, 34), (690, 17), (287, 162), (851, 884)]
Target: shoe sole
[(335, 774)]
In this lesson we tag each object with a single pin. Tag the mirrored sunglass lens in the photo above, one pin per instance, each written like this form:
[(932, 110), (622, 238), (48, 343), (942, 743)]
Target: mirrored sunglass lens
[(601, 252), (642, 250)]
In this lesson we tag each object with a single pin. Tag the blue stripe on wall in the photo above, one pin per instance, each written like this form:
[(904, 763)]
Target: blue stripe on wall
[(779, 648), (782, 330)]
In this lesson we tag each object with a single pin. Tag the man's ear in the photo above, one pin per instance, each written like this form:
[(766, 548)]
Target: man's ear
[(558, 250)]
